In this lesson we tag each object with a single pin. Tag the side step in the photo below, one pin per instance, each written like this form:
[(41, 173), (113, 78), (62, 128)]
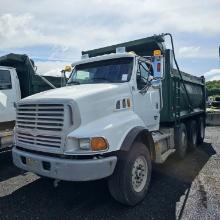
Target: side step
[(164, 144), (165, 155)]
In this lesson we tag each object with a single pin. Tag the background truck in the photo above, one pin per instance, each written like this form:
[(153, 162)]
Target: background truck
[(18, 80), (124, 108)]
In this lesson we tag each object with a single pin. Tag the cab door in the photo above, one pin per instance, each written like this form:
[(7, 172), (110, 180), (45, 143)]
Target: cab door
[(9, 94), (145, 97)]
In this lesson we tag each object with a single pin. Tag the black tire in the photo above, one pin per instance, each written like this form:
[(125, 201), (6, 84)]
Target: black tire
[(181, 141), (201, 130), (192, 135), (120, 183)]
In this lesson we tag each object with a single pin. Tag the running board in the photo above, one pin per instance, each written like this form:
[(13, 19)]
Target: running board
[(164, 144), (165, 155)]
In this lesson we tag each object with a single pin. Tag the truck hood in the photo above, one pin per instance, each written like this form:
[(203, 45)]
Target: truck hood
[(76, 92), (94, 101)]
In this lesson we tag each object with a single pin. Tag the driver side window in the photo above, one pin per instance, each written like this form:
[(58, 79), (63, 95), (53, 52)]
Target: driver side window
[(142, 75), (5, 80)]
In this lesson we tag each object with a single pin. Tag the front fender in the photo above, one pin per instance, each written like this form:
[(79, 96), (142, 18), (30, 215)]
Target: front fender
[(114, 128)]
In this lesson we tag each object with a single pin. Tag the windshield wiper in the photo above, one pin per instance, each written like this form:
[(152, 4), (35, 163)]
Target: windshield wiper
[(73, 82), (102, 79)]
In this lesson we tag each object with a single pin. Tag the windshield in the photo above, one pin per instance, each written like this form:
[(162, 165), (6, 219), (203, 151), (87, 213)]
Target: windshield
[(108, 71)]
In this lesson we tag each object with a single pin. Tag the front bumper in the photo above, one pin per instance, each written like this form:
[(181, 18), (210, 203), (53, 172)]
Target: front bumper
[(64, 169)]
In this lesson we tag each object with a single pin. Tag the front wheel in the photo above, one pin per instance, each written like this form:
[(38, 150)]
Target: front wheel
[(130, 180)]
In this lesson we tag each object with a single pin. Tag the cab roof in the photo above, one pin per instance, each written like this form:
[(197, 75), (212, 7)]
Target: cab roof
[(104, 57)]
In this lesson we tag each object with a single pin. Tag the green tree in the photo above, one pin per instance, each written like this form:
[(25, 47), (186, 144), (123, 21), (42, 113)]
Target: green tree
[(213, 88)]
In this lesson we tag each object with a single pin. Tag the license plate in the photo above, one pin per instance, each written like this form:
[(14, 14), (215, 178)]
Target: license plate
[(31, 162)]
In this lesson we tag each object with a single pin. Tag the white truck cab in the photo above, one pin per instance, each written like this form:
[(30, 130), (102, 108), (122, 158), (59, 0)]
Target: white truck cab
[(104, 123), (9, 93)]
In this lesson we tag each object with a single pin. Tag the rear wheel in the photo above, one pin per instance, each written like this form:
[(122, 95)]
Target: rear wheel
[(130, 180), (192, 134), (201, 130), (181, 141)]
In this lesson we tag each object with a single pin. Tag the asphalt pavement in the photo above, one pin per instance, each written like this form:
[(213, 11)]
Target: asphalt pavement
[(172, 193)]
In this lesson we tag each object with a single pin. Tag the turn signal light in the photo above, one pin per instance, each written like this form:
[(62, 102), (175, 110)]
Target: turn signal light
[(98, 144)]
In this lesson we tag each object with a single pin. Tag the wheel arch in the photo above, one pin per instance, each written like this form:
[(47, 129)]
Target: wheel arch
[(139, 134)]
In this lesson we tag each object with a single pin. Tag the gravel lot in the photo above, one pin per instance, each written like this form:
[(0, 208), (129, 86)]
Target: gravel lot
[(25, 196)]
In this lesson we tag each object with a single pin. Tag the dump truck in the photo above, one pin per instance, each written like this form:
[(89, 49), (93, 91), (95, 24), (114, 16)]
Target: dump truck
[(18, 80), (124, 108)]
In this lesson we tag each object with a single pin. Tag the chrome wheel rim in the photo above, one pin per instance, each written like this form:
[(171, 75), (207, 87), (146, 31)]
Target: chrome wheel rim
[(139, 174)]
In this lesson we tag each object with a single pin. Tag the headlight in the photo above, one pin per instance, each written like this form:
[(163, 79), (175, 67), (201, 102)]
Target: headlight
[(84, 143)]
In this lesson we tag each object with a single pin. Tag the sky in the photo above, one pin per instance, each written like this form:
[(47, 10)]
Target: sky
[(53, 33)]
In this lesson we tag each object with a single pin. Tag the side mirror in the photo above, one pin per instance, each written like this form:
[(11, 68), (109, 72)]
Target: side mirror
[(63, 72)]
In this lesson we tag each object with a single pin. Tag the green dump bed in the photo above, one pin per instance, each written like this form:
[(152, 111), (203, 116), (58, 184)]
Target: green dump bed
[(175, 99), (30, 83), (39, 85), (195, 86)]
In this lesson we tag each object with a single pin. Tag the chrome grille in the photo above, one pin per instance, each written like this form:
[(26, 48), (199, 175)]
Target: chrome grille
[(39, 140), (48, 117), (40, 125)]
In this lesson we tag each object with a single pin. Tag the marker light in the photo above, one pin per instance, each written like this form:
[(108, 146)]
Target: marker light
[(128, 103), (132, 52), (157, 53), (120, 50), (98, 144)]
